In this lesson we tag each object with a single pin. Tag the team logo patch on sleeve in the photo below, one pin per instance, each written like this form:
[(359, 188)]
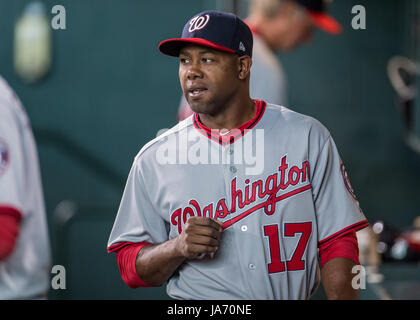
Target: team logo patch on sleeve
[(4, 157), (347, 181)]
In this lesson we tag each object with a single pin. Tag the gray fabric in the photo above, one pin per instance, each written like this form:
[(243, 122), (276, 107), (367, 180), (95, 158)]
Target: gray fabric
[(25, 273), (155, 193)]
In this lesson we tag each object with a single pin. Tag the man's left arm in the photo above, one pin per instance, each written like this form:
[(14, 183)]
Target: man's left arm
[(337, 277), (338, 259), (339, 217)]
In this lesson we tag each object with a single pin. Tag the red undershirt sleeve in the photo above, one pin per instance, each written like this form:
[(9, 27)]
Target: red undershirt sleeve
[(345, 246), (126, 259), (9, 230)]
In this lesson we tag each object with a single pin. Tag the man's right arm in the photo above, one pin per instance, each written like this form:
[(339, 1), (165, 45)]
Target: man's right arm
[(156, 263)]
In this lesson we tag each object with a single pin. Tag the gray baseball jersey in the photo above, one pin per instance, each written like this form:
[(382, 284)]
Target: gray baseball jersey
[(25, 273), (277, 183)]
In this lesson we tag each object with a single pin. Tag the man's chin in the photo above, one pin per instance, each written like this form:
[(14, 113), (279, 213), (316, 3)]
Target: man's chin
[(198, 107)]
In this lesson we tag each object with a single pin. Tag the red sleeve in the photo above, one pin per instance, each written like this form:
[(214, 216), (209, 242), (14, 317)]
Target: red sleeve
[(345, 246), (126, 255), (9, 230)]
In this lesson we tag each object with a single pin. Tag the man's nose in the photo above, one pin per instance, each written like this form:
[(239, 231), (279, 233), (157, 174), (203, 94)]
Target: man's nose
[(194, 71)]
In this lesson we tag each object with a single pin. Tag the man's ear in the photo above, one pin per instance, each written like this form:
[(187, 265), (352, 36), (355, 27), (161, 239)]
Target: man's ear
[(244, 67)]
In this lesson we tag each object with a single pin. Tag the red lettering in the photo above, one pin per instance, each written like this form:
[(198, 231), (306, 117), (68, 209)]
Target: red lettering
[(187, 211), (247, 198), (282, 170), (208, 211), (294, 171), (221, 209), (259, 184), (196, 206), (270, 204), (273, 179), (305, 168), (276, 265), (290, 230), (176, 219), (236, 194)]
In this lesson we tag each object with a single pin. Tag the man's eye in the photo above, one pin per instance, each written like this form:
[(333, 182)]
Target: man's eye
[(207, 60), (184, 60)]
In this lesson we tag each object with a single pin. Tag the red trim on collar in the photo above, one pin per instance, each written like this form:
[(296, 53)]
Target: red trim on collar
[(229, 138)]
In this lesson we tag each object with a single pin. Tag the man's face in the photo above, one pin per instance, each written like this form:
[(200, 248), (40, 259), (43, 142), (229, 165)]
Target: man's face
[(208, 78)]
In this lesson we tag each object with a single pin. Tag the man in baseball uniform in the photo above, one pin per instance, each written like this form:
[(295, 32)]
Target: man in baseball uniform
[(24, 243), (239, 200), (277, 26)]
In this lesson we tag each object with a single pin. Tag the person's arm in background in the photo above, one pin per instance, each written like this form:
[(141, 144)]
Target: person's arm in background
[(12, 175)]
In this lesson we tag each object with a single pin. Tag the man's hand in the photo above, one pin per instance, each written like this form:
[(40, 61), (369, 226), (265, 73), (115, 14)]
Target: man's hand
[(199, 235), (156, 263)]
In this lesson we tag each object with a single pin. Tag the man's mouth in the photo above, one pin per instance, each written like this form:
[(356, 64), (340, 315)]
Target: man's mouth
[(196, 92)]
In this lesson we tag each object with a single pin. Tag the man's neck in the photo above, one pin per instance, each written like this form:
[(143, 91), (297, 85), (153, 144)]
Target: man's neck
[(231, 117)]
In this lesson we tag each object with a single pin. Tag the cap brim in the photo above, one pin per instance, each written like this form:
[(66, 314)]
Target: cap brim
[(171, 47), (326, 22)]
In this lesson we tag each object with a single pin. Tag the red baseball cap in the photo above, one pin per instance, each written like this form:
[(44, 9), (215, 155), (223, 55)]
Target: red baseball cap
[(317, 11)]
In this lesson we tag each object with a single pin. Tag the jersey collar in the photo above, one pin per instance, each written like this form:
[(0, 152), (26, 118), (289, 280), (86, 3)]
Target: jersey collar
[(239, 132)]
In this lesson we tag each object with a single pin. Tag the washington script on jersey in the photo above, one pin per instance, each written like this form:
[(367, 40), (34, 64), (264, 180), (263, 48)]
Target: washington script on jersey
[(244, 198)]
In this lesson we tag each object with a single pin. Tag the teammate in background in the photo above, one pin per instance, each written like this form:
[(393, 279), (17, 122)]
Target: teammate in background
[(24, 243), (277, 26), (216, 230)]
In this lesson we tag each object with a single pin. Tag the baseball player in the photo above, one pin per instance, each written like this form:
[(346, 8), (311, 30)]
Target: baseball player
[(239, 200), (277, 26), (24, 243)]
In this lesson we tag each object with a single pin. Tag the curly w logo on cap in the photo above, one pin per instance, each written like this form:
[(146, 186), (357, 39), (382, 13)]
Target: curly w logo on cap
[(198, 23)]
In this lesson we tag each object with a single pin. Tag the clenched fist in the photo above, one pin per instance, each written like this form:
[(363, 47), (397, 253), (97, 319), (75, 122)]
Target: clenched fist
[(200, 235)]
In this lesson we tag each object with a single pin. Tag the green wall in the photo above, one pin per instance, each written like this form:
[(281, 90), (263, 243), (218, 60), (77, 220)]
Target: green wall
[(110, 91)]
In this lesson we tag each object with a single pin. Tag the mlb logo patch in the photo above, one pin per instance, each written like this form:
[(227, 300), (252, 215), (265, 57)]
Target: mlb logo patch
[(4, 156)]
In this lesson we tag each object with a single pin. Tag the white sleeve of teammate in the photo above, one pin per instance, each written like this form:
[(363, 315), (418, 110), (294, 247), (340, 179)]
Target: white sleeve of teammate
[(337, 208), (268, 81), (137, 220), (270, 88), (12, 173)]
